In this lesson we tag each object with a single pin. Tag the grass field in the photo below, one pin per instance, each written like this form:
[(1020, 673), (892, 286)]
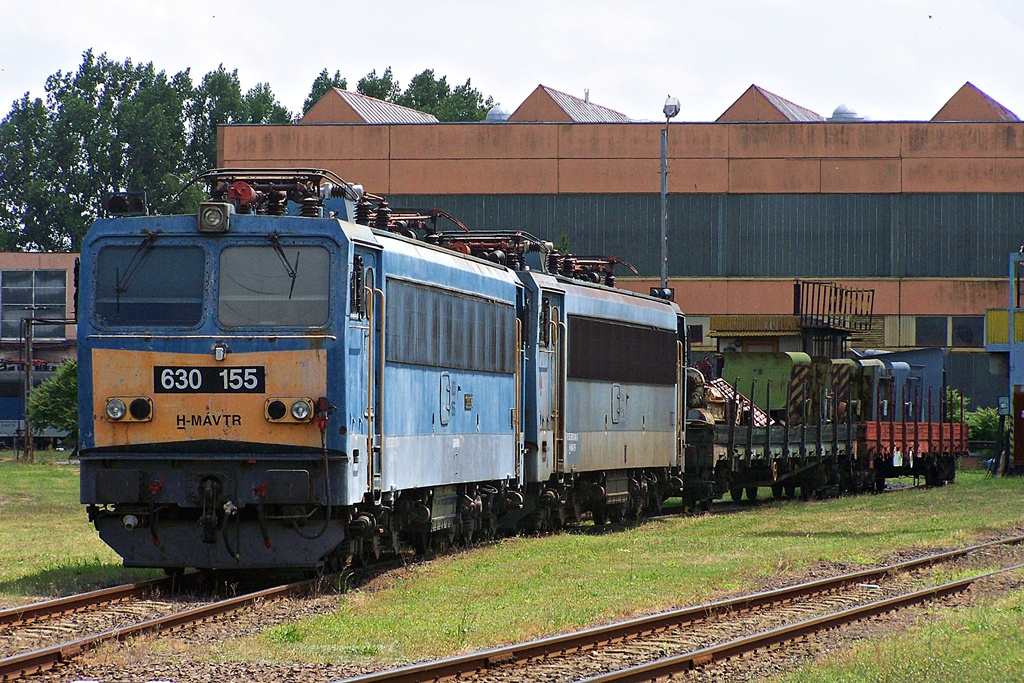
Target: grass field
[(980, 644), (523, 588), (48, 547), (529, 587)]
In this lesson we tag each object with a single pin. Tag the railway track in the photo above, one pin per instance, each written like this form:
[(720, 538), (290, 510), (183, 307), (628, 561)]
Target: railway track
[(23, 664), (639, 649), (27, 614)]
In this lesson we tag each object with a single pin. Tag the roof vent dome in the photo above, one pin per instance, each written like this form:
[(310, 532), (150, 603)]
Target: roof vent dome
[(497, 115), (845, 113)]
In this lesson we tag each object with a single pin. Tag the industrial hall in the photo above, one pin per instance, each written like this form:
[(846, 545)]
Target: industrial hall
[(914, 219)]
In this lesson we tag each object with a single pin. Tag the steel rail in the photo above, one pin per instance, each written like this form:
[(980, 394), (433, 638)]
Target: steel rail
[(74, 603), (664, 667), (624, 630), (28, 663)]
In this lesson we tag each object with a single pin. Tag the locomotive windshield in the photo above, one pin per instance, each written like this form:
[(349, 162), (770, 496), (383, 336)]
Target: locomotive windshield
[(150, 284), (274, 285)]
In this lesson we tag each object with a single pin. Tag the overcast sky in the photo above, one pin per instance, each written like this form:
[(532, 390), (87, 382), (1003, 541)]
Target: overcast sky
[(888, 59)]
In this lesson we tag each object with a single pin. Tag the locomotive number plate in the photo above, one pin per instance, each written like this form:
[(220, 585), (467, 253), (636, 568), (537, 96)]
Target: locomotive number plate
[(179, 379)]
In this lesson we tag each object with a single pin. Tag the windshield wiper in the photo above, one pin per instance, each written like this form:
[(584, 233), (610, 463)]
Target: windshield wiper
[(122, 281), (291, 270)]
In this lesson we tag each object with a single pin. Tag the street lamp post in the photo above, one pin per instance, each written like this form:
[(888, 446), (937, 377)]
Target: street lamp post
[(670, 109)]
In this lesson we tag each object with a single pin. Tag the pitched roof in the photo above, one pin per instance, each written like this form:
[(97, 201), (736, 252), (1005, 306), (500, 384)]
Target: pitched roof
[(547, 104), (757, 104), (346, 106), (971, 104)]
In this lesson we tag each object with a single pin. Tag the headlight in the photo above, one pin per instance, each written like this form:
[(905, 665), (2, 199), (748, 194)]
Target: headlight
[(288, 410), (116, 409), (301, 410)]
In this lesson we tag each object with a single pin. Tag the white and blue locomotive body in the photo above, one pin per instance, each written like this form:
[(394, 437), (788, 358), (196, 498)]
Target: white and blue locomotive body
[(601, 426), (275, 391), (263, 390)]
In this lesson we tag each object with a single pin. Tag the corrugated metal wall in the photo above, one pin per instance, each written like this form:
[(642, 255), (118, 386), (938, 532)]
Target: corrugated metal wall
[(798, 235), (970, 373)]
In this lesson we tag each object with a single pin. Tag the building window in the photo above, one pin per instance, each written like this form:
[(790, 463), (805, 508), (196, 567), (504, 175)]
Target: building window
[(695, 333), (32, 294), (931, 330), (968, 330)]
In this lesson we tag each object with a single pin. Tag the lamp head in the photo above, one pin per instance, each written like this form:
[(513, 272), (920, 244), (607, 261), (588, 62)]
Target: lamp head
[(671, 107)]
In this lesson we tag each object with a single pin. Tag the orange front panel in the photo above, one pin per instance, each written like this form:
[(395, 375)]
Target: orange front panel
[(198, 416)]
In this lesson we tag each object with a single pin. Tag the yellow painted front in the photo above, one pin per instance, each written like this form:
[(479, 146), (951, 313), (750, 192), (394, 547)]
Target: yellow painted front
[(197, 416)]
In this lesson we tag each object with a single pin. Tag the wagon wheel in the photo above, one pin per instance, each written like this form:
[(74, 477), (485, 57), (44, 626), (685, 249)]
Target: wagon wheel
[(777, 491), (751, 493), (736, 494)]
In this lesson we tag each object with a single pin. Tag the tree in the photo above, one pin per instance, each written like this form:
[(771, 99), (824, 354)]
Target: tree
[(216, 100), (261, 106), (105, 127), (384, 87), (23, 192), (983, 424), (323, 83), (434, 96), (955, 405), (54, 403)]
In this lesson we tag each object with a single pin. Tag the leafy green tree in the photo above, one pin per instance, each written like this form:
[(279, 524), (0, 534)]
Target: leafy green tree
[(23, 193), (218, 100), (983, 424), (956, 405), (105, 127), (54, 403), (433, 95), (383, 87), (261, 106), (323, 83)]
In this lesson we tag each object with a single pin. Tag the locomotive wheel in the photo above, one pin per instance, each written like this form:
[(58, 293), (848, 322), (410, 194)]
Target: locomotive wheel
[(617, 513), (421, 542), (573, 513), (654, 505), (880, 485), (736, 494), (790, 490), (777, 491), (751, 493), (600, 514)]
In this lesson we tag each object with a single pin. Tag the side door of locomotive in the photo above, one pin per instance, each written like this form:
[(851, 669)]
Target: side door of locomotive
[(365, 364), (552, 358)]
